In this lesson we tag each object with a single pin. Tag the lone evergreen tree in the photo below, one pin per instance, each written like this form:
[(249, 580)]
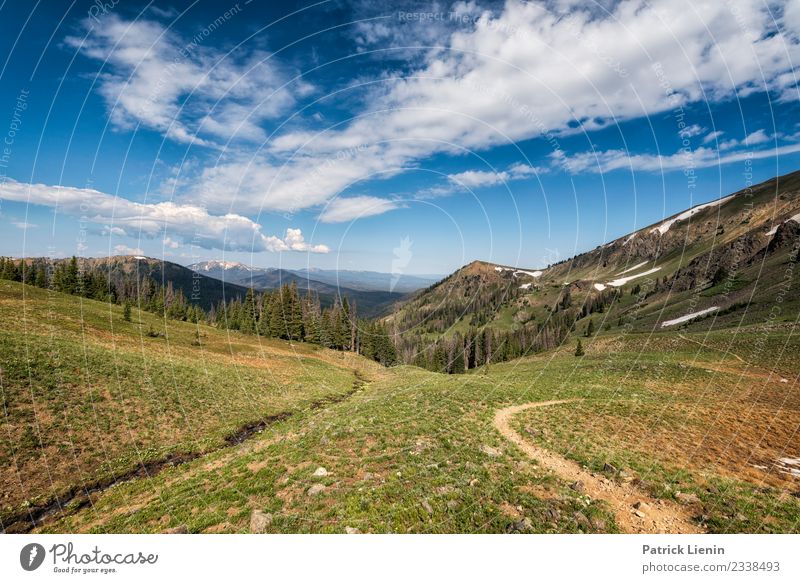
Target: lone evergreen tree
[(126, 312), (579, 349)]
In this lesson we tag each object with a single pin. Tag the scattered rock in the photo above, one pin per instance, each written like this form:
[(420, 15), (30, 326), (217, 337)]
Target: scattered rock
[(452, 504), (609, 468), (427, 506), (685, 498), (639, 513), (582, 521), (351, 530), (577, 486), (523, 525), (316, 489), (552, 514), (320, 472), (474, 482), (490, 451), (260, 521), (641, 506), (598, 524), (533, 432), (625, 476), (181, 529)]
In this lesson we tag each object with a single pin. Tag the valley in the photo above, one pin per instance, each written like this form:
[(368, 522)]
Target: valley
[(649, 385)]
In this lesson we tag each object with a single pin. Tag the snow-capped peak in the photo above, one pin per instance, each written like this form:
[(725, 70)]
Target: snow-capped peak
[(219, 264)]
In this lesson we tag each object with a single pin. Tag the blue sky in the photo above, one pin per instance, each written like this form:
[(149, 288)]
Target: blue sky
[(325, 134)]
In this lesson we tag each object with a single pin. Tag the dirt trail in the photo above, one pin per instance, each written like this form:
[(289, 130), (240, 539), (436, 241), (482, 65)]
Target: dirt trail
[(659, 516)]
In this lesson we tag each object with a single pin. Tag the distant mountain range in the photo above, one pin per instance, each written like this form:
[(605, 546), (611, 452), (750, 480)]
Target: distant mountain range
[(267, 277), (369, 291), (208, 283)]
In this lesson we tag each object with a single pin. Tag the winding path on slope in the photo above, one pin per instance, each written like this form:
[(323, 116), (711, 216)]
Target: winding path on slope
[(659, 516)]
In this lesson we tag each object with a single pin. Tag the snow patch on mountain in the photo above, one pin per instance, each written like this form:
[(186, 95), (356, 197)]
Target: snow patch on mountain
[(634, 268), (664, 227), (688, 317), (219, 264), (623, 280), (773, 230)]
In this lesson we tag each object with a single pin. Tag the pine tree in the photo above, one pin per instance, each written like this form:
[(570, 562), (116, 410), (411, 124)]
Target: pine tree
[(126, 312), (248, 318), (295, 314), (71, 283), (579, 349), (457, 366), (41, 277), (276, 325)]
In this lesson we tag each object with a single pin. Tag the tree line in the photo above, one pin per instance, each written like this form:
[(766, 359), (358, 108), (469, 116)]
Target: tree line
[(283, 313)]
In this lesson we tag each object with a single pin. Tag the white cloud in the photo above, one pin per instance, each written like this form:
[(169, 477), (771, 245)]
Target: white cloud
[(168, 242), (180, 87), (524, 72), (187, 223), (295, 241), (757, 137), (691, 131), (712, 136), (610, 160), (24, 226), (109, 230), (341, 210), (479, 178), (753, 139), (125, 250)]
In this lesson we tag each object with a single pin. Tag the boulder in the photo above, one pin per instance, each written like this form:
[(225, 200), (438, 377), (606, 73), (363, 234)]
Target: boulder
[(260, 521), (316, 489), (685, 498), (490, 451)]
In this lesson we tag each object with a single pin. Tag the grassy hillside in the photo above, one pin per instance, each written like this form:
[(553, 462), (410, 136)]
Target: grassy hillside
[(690, 419), (88, 396)]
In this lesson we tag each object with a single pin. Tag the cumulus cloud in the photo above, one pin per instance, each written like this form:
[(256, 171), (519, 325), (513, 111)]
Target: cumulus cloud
[(341, 210), (186, 223), (294, 241)]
